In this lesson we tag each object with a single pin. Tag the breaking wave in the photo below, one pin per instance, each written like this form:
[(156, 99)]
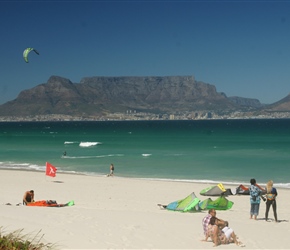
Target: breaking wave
[(88, 144)]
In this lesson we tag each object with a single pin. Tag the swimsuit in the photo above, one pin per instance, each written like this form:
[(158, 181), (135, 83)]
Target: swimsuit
[(227, 231)]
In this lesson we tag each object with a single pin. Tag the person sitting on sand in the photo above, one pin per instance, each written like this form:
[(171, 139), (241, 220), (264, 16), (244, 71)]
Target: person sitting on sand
[(28, 197), (214, 232), (218, 236), (206, 220)]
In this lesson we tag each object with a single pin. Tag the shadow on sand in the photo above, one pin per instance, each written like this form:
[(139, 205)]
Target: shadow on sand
[(272, 220), (58, 181)]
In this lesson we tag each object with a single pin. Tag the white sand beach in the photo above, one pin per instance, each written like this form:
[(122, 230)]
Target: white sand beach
[(122, 213)]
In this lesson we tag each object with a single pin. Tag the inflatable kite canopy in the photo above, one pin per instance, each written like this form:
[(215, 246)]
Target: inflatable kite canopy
[(193, 204), (188, 204), (241, 189), (221, 203), (27, 51), (216, 190)]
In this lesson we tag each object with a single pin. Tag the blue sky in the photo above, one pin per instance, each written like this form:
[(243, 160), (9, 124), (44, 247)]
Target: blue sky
[(241, 47)]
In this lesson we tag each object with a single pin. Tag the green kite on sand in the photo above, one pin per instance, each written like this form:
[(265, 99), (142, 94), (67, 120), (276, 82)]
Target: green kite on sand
[(188, 204), (221, 203)]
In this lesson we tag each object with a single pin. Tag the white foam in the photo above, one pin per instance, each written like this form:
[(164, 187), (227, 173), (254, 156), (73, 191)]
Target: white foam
[(91, 156), (70, 142), (88, 144), (146, 155)]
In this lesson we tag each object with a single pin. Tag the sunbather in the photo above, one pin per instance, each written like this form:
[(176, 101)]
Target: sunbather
[(28, 197)]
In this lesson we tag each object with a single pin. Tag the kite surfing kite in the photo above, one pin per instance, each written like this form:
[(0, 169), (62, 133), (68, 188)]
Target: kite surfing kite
[(188, 204), (27, 51)]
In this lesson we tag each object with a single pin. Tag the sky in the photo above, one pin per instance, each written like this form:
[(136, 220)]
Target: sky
[(240, 47)]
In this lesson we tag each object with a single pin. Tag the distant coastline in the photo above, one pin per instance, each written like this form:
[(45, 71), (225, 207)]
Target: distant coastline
[(142, 116)]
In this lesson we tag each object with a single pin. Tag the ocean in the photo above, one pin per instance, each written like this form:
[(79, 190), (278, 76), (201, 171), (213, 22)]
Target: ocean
[(210, 151)]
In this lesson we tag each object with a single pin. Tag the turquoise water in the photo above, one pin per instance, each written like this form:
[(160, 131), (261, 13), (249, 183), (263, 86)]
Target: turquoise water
[(228, 151)]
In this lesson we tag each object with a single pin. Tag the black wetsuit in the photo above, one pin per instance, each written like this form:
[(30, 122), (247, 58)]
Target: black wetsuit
[(272, 202)]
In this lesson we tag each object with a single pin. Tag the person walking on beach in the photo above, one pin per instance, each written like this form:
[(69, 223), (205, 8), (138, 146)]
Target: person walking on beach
[(255, 199), (112, 168), (271, 200), (28, 197)]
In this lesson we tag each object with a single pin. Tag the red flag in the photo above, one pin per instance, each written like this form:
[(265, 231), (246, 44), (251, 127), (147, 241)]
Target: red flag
[(50, 170)]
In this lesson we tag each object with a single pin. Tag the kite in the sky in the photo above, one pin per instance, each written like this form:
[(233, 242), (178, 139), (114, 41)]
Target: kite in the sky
[(27, 51)]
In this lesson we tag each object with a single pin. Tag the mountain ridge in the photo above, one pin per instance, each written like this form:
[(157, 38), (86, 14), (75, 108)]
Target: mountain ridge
[(98, 95)]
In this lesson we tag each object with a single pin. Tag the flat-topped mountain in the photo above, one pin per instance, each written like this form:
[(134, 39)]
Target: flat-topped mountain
[(95, 96)]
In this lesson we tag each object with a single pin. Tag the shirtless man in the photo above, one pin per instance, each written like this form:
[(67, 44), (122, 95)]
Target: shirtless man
[(28, 197)]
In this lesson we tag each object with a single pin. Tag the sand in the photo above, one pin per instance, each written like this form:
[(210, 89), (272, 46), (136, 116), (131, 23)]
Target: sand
[(122, 213)]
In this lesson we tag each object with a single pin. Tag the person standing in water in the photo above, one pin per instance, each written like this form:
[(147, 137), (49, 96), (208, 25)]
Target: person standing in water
[(112, 168)]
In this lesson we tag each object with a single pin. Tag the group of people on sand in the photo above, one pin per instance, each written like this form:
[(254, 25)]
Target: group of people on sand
[(256, 194), (219, 231)]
